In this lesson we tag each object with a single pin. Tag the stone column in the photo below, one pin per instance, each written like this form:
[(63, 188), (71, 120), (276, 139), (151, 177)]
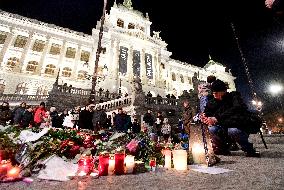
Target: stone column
[(143, 67), (76, 63), (114, 64), (130, 63), (10, 38), (158, 71), (43, 56), (61, 57), (25, 52)]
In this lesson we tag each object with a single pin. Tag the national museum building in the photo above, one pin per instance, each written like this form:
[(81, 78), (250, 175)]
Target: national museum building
[(33, 53)]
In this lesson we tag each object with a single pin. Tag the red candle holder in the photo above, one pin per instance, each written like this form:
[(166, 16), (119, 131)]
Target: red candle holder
[(119, 163), (5, 166), (86, 164), (103, 164)]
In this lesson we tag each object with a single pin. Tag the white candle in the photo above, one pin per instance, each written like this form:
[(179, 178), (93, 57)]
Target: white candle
[(111, 165), (198, 153), (180, 159), (168, 158), (129, 164)]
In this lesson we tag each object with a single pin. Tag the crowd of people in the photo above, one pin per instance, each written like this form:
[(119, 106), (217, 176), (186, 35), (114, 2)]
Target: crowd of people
[(224, 112)]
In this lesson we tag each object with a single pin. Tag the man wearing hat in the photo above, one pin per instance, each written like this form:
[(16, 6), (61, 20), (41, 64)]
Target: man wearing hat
[(226, 117)]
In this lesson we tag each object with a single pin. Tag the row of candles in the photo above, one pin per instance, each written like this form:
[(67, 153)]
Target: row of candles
[(119, 163), (109, 164)]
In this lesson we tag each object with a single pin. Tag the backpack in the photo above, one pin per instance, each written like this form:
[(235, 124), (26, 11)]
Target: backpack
[(255, 122)]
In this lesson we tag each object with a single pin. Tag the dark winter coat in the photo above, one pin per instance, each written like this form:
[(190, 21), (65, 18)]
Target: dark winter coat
[(148, 118), (27, 119), (120, 122), (230, 112), (55, 119), (5, 115), (99, 119), (85, 120), (18, 113)]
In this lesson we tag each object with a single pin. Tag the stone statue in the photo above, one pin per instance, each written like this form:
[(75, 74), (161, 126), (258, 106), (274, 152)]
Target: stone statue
[(137, 85), (128, 4), (157, 35)]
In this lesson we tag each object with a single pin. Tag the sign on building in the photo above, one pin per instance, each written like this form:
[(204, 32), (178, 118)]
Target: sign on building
[(149, 68), (136, 63), (123, 60)]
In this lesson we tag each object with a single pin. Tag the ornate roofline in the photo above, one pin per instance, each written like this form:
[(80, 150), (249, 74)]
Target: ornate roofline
[(35, 21)]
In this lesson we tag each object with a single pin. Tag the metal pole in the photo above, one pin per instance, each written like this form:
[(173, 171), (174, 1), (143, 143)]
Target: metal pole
[(94, 78)]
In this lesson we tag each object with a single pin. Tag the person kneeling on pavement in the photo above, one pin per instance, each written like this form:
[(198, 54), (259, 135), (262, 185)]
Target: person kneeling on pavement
[(227, 117)]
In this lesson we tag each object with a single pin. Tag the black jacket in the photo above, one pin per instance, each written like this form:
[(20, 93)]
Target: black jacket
[(230, 112)]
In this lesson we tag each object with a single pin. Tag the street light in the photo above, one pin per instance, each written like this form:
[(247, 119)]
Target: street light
[(257, 104), (275, 89)]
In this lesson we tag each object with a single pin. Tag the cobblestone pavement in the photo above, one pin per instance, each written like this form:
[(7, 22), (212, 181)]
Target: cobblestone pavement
[(263, 173)]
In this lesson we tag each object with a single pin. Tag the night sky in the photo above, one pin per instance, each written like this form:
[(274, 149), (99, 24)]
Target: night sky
[(192, 29)]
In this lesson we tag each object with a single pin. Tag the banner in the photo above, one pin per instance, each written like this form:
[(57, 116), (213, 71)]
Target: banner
[(136, 63), (123, 60), (149, 69)]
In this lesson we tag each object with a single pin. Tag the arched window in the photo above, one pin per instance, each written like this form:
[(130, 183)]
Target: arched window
[(13, 62), (131, 26), (3, 36), (181, 79), (20, 41), (38, 46), (70, 52), (49, 69), (55, 49), (189, 80), (32, 65), (66, 72), (2, 86), (81, 75), (21, 88), (120, 23), (174, 77)]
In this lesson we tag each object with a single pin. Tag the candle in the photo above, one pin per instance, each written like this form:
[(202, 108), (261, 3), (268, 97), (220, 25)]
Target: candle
[(111, 165), (198, 153), (5, 166), (129, 164), (86, 164), (180, 159), (119, 163), (82, 173), (168, 158), (152, 163), (103, 164), (14, 172)]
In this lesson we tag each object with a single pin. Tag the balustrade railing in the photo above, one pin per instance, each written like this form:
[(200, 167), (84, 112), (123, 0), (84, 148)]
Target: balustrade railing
[(116, 103), (161, 101), (23, 98)]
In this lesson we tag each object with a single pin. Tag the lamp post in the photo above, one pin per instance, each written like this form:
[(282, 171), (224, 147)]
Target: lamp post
[(95, 74)]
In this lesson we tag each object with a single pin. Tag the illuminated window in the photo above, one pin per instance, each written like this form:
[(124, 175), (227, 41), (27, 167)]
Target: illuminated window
[(3, 36), (81, 75), (38, 46), (21, 88), (49, 69), (32, 65), (120, 23), (174, 77), (181, 79), (13, 62), (85, 56), (131, 26), (55, 49), (66, 72), (70, 52), (20, 41), (189, 80)]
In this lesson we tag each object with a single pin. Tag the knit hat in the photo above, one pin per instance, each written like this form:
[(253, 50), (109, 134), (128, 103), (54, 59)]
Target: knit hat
[(218, 86)]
